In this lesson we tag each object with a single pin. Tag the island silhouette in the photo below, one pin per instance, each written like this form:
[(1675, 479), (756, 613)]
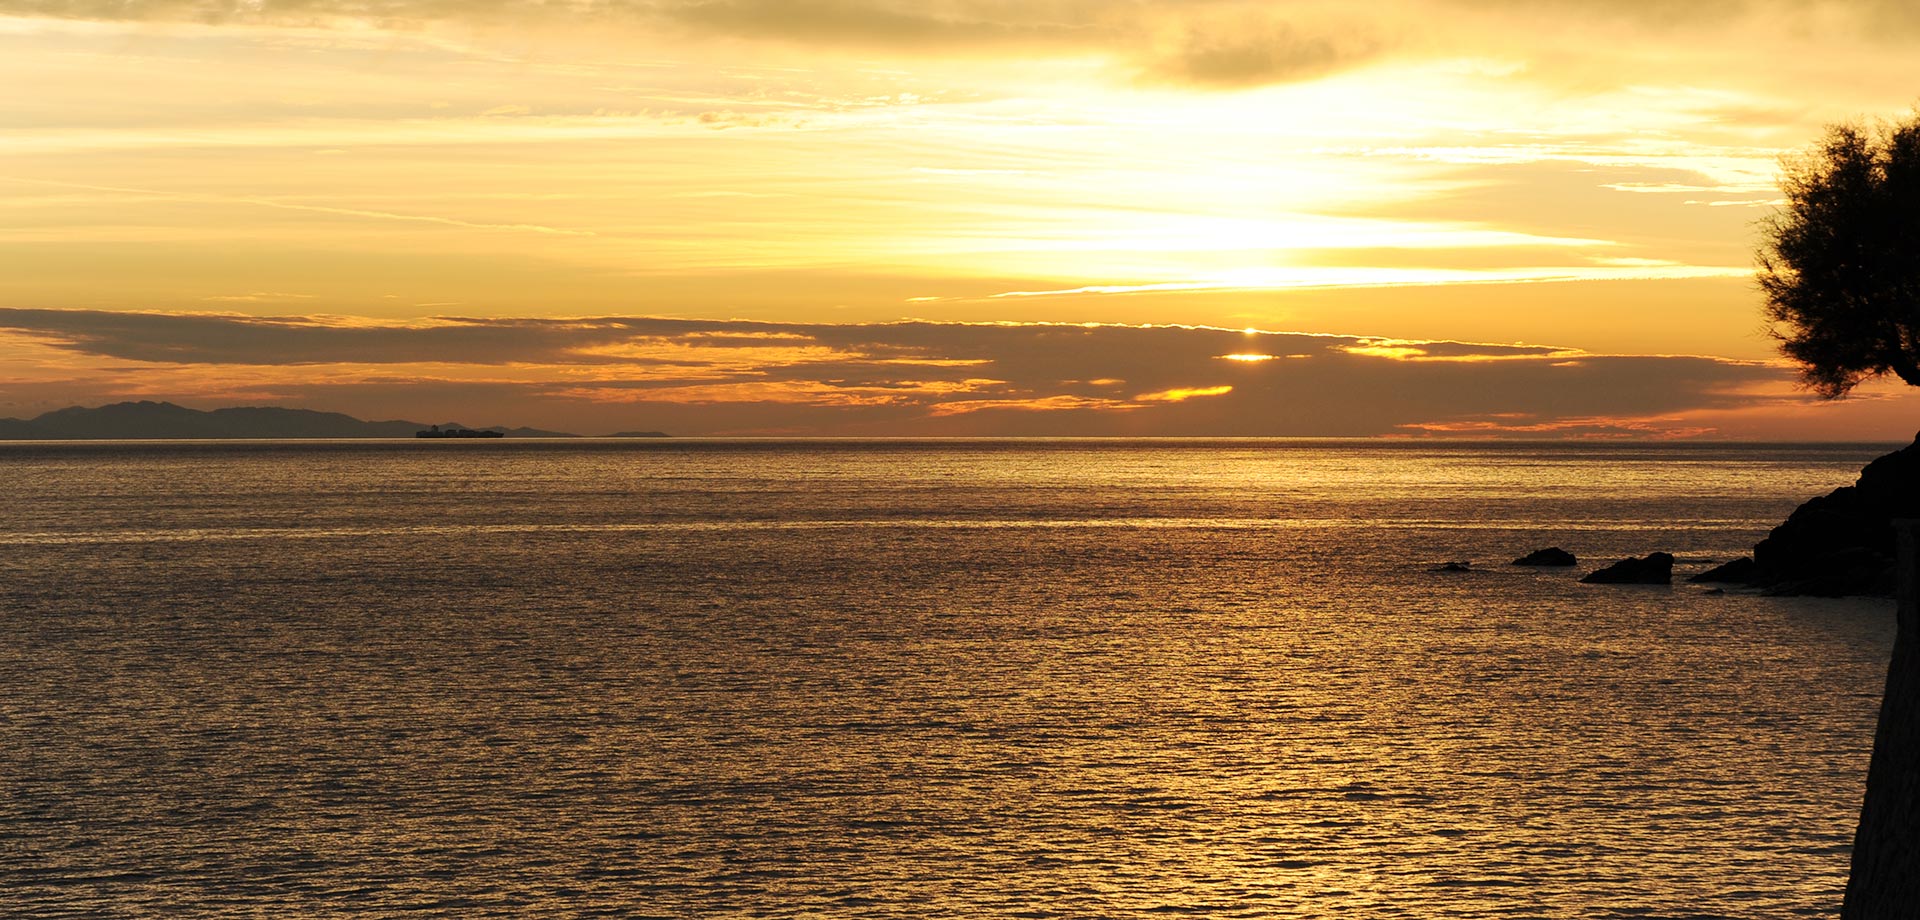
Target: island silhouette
[(149, 420)]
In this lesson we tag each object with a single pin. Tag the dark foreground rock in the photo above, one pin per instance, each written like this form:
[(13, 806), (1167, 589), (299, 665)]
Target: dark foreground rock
[(1653, 569), (1741, 571), (1842, 543), (1552, 555), (1849, 571)]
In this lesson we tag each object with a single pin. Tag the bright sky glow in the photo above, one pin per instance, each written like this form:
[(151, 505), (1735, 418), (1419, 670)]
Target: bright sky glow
[(1584, 175)]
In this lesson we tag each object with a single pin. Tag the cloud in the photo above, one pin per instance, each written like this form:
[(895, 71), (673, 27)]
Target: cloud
[(1650, 11), (1240, 46), (716, 376), (1219, 43), (1214, 42), (942, 24), (1182, 394), (891, 23)]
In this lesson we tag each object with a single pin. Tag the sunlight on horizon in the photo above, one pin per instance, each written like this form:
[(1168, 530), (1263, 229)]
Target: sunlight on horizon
[(1229, 166)]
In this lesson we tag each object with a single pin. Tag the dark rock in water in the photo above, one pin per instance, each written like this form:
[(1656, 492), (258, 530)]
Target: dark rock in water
[(1842, 543), (1654, 569), (1741, 571), (1714, 591), (1453, 567), (1552, 555)]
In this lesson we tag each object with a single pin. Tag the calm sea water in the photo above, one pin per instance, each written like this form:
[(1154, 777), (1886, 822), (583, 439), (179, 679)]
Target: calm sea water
[(886, 679)]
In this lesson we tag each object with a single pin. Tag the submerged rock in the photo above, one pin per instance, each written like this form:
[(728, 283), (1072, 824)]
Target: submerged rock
[(1552, 555), (1741, 571), (1653, 569), (1453, 567)]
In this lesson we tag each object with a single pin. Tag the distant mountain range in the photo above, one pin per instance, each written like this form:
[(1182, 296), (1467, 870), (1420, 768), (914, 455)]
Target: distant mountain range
[(150, 420)]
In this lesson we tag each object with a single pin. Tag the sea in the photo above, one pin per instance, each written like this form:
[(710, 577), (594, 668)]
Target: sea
[(917, 679)]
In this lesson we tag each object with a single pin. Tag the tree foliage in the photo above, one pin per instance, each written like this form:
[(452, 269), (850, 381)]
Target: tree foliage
[(1840, 264)]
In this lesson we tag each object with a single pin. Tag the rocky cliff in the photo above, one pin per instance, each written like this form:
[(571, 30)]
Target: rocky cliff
[(1842, 543)]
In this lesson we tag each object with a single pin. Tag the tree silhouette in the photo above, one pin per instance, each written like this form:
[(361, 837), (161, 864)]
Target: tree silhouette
[(1840, 265)]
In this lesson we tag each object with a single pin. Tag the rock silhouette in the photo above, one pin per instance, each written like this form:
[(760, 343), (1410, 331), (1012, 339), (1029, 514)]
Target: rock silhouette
[(1552, 555), (1653, 569), (1842, 543), (1741, 571)]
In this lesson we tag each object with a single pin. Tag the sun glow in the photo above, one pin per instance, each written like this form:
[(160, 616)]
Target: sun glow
[(1576, 178), (528, 180)]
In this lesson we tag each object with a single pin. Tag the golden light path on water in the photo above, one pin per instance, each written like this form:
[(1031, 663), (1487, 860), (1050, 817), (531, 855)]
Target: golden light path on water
[(908, 680)]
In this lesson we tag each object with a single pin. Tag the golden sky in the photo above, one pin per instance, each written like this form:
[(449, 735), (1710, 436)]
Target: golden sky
[(208, 201)]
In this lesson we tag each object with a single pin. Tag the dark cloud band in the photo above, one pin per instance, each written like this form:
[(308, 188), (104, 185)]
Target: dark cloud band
[(928, 378)]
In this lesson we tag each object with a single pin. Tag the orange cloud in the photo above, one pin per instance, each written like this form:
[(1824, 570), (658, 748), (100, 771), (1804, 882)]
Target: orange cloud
[(1041, 404), (1182, 394)]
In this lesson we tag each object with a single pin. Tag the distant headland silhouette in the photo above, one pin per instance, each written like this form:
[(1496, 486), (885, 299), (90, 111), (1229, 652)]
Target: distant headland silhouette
[(149, 420)]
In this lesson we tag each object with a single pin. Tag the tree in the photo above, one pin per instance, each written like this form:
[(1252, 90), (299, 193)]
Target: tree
[(1840, 265)]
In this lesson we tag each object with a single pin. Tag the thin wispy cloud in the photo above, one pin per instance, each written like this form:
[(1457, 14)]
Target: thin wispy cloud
[(309, 208), (1221, 44)]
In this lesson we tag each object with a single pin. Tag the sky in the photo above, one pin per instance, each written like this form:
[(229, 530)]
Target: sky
[(944, 217)]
